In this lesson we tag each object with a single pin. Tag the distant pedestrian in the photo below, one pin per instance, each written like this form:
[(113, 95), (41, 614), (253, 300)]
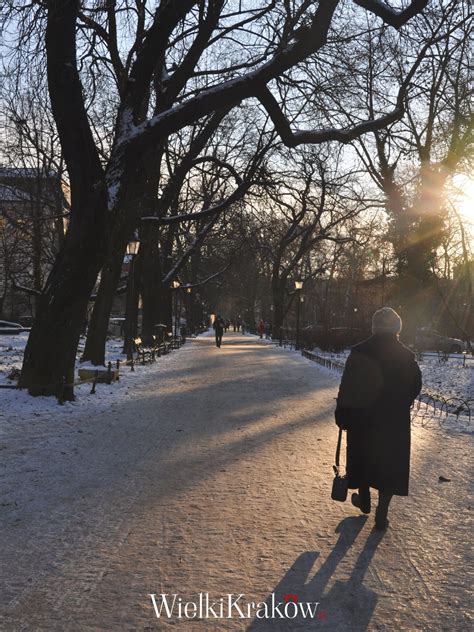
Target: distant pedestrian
[(242, 326), (261, 328), (219, 326), (268, 330), (381, 379)]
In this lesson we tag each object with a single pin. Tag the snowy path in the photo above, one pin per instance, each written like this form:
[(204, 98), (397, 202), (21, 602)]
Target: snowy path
[(214, 476)]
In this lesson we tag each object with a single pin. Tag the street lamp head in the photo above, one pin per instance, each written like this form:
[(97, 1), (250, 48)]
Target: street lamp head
[(189, 290), (298, 285), (175, 285), (133, 246)]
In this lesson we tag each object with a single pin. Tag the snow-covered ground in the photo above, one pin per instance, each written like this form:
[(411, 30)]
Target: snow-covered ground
[(453, 378), (212, 474), (448, 389), (11, 355), (15, 403), (13, 346)]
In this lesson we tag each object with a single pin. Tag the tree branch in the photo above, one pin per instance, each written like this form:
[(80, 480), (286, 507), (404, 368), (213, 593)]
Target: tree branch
[(196, 243), (213, 210), (389, 15), (344, 135)]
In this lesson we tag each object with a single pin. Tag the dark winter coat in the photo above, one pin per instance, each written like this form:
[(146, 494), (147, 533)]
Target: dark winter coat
[(218, 326), (380, 381)]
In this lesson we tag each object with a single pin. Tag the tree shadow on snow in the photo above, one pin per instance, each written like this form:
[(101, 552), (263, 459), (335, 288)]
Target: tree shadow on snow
[(348, 605)]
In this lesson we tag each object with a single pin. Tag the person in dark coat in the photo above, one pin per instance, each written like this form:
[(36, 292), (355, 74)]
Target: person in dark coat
[(219, 326), (381, 379)]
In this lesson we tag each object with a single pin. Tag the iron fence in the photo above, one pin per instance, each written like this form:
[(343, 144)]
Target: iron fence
[(428, 405)]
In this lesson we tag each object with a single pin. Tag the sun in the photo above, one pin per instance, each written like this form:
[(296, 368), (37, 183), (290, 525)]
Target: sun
[(463, 196)]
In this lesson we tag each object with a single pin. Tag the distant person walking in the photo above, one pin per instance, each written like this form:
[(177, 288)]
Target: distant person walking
[(219, 326), (381, 379), (242, 326), (268, 331), (261, 328)]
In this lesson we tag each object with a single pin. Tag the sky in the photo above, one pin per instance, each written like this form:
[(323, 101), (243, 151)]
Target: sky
[(463, 198)]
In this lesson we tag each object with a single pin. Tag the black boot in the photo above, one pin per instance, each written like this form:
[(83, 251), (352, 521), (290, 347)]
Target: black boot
[(362, 500), (381, 520)]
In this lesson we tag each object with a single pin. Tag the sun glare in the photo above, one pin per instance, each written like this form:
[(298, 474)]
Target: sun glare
[(464, 197)]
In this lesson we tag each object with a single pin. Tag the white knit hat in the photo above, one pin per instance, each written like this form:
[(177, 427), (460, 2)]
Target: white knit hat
[(386, 321)]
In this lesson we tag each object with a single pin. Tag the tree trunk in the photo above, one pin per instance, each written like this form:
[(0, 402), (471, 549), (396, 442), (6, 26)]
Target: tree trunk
[(136, 201), (165, 306), (37, 243), (278, 311), (94, 350), (51, 349), (278, 297), (131, 307), (151, 280)]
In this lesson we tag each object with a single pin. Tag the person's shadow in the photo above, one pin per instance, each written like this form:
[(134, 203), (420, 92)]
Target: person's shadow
[(348, 605)]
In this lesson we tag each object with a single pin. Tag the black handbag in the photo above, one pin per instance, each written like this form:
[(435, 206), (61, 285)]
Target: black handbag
[(339, 484)]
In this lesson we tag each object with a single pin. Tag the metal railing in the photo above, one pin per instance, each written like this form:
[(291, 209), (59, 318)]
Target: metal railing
[(329, 363), (433, 405), (428, 405)]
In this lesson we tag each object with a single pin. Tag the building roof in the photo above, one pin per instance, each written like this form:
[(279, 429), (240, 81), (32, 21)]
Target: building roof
[(17, 172)]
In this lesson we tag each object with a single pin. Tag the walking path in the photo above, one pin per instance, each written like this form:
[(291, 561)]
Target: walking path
[(215, 478)]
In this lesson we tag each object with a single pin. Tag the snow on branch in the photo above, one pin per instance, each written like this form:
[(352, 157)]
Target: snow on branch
[(230, 93), (194, 245), (23, 288), (233, 91), (389, 15), (345, 135), (207, 279), (299, 137)]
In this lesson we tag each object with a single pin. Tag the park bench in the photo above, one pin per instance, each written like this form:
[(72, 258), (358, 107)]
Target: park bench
[(155, 349), (146, 352), (90, 375), (166, 346), (176, 342)]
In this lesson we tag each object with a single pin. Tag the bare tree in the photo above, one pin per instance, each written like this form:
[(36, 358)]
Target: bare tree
[(31, 177), (412, 161), (311, 205), (175, 45)]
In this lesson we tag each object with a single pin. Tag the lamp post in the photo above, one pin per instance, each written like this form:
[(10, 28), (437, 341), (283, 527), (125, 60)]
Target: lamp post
[(176, 285), (132, 251), (298, 288), (353, 317), (189, 311)]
